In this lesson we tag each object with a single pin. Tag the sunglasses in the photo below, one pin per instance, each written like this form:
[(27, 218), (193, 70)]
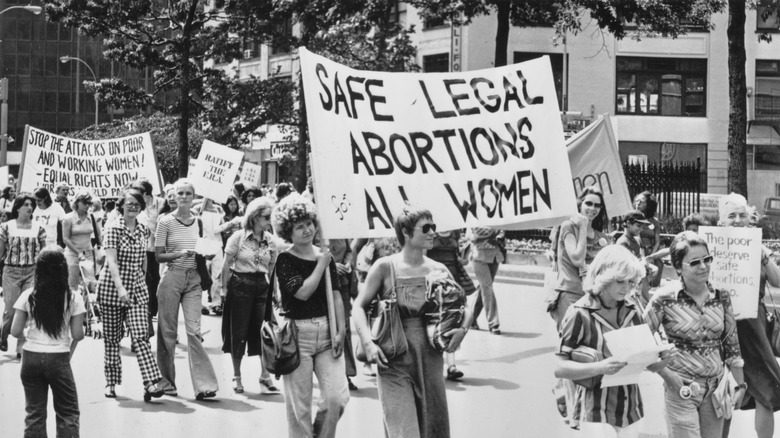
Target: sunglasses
[(592, 204), (427, 228), (696, 262)]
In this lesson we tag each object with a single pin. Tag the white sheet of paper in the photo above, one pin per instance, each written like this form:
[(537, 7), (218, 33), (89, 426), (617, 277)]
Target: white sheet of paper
[(207, 246), (635, 345)]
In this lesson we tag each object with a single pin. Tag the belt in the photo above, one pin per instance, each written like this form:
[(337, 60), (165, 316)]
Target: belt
[(20, 266), (248, 274)]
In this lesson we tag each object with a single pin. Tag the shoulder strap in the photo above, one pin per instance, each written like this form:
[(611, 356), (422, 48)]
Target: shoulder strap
[(392, 278), (200, 227), (269, 314)]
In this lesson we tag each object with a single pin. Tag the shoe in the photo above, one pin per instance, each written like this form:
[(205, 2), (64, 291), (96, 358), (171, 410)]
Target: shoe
[(474, 326), (153, 390), (171, 391), (217, 310), (4, 346), (454, 373), (561, 405), (267, 385), (352, 386), (205, 394), (19, 355), (495, 331), (110, 391), (204, 311), (238, 388)]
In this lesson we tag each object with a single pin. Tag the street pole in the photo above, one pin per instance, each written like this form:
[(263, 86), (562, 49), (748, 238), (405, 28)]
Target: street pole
[(64, 59)]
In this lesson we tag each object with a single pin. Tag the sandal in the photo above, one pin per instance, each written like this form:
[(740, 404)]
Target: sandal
[(454, 373), (268, 385), (153, 390), (238, 388), (110, 391), (205, 394)]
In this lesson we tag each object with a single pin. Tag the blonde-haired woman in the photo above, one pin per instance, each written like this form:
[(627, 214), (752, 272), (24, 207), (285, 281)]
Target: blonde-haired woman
[(78, 228), (612, 411), (249, 256), (762, 373)]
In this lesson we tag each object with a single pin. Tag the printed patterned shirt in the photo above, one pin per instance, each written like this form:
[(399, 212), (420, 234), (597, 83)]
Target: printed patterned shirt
[(22, 246), (130, 246), (584, 325), (703, 335), (251, 254)]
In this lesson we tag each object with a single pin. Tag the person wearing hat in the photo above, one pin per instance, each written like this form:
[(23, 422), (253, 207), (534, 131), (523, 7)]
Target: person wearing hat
[(635, 221)]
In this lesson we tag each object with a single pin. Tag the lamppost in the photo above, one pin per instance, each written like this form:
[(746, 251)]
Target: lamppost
[(65, 59), (35, 10)]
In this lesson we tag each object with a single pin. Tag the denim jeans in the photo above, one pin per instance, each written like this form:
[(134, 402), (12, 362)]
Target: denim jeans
[(182, 286), (695, 417), (316, 357), (15, 280), (486, 273), (39, 372)]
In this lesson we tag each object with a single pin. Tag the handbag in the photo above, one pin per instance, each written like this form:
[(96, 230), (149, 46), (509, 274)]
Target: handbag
[(773, 327), (279, 342), (387, 331), (445, 308), (584, 354), (365, 257), (200, 264)]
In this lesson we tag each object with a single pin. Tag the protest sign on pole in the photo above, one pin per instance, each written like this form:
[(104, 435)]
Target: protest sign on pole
[(736, 267), (250, 174), (4, 175), (480, 147), (595, 161), (103, 167), (215, 170)]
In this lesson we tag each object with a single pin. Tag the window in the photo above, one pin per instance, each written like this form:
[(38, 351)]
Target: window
[(556, 60), (434, 23), (661, 86), (282, 44), (767, 90), (436, 63), (767, 20)]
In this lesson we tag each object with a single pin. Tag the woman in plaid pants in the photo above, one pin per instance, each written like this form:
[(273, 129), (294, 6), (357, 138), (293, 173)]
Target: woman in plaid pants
[(124, 298)]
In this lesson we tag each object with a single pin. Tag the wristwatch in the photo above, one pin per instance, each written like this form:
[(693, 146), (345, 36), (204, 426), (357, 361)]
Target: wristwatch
[(742, 385)]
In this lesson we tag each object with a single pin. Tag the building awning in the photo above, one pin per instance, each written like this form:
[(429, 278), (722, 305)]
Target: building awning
[(763, 135)]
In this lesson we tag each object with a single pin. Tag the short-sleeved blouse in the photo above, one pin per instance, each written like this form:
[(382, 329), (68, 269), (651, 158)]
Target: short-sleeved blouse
[(130, 246), (705, 336), (291, 272), (584, 325), (569, 275), (22, 245), (251, 254), (37, 340)]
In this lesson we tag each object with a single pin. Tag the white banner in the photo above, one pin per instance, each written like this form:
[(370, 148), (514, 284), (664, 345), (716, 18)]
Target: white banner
[(215, 171), (480, 147), (250, 174), (100, 166), (736, 267)]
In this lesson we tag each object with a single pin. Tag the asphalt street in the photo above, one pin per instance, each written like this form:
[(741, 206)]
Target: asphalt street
[(506, 391)]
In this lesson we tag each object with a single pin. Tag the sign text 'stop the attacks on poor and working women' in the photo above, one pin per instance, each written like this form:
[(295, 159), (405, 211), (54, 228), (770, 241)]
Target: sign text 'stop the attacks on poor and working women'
[(481, 147)]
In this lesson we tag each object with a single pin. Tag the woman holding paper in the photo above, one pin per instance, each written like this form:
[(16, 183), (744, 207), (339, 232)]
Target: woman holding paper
[(698, 319), (611, 411), (762, 373), (300, 272)]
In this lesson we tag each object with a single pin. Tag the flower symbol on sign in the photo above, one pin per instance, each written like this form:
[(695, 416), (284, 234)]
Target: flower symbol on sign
[(342, 205)]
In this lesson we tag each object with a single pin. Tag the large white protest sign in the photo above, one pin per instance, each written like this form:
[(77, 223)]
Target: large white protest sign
[(480, 147), (250, 174), (103, 167), (215, 170), (736, 267)]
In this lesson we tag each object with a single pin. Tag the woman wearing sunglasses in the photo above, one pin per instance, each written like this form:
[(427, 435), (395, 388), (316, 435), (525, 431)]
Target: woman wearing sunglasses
[(762, 373), (698, 319), (249, 257), (411, 386)]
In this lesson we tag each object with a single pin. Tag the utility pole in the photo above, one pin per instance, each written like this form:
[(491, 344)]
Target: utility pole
[(3, 121)]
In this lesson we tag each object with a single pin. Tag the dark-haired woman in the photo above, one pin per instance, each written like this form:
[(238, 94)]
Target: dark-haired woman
[(47, 213), (7, 200), (53, 319), (123, 296), (650, 235), (231, 221), (21, 240), (580, 238)]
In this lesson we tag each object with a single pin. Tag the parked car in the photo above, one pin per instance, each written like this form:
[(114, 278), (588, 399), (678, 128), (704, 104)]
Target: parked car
[(770, 220)]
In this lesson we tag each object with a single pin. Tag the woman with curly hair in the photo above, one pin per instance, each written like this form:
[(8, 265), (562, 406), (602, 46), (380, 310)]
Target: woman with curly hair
[(53, 319), (300, 271)]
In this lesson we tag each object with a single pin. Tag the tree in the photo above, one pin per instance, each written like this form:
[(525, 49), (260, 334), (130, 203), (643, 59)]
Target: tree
[(174, 38)]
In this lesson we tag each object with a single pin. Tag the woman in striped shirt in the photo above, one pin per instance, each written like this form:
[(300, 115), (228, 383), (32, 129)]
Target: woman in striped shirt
[(612, 411)]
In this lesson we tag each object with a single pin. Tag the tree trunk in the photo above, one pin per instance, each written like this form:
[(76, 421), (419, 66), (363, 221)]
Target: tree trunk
[(737, 171), (502, 32), (302, 163)]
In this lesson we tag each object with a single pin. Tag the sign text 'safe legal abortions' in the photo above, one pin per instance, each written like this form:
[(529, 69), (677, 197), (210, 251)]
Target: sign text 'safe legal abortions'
[(100, 166), (481, 147)]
